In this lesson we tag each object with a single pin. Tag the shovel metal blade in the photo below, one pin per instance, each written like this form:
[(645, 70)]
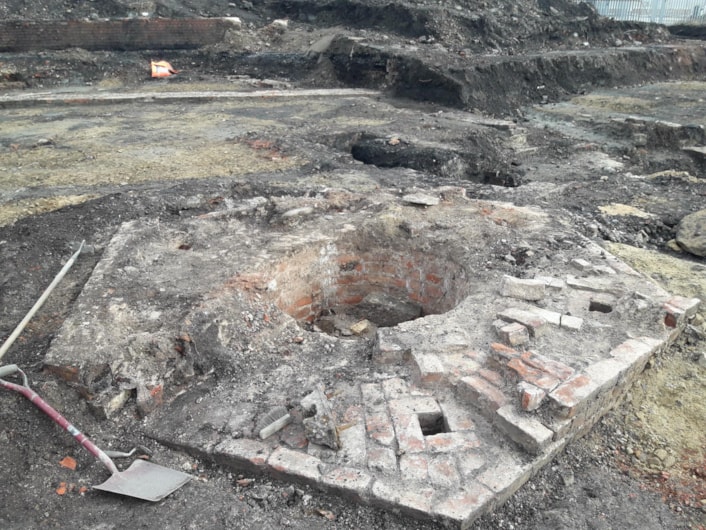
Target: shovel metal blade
[(146, 481)]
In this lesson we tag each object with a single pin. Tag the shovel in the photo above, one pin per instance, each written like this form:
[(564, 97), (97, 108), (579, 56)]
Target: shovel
[(142, 480)]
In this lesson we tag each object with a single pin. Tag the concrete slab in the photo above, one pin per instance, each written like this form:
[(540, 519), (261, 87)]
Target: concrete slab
[(220, 313)]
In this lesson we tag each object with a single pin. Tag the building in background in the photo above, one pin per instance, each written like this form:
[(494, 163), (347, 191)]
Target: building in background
[(658, 11)]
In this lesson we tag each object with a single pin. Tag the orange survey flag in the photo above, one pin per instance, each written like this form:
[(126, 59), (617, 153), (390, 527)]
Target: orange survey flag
[(162, 69)]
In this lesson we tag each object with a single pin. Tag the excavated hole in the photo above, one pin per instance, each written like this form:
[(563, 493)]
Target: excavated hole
[(337, 291), (432, 424), (600, 306)]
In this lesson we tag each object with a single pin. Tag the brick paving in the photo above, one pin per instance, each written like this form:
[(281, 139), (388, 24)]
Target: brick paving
[(458, 408), (421, 451)]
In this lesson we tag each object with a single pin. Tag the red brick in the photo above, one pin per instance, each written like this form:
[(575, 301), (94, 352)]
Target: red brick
[(635, 350), (388, 494), (351, 300), (461, 507), (492, 376), (443, 472), (348, 259), (433, 278), (413, 286), (533, 375), (419, 298), (503, 352), (242, 453), (555, 368), (302, 313), (382, 459), (352, 483), (530, 396), (379, 428), (571, 393), (513, 334), (434, 292), (349, 279), (452, 441), (303, 301), (289, 464), (414, 467), (679, 306), (410, 438), (482, 393), (536, 325), (399, 283)]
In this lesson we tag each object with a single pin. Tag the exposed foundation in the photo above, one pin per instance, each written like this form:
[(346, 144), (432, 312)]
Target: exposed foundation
[(439, 412)]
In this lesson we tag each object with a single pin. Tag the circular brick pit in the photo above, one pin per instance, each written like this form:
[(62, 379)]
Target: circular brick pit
[(383, 286)]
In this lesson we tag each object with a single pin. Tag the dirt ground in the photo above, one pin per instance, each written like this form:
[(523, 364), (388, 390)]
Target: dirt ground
[(69, 173)]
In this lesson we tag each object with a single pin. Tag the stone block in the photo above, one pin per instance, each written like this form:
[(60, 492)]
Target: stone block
[(522, 289), (581, 264), (557, 319), (606, 373), (536, 325), (524, 429), (552, 317), (571, 322), (457, 365), (560, 427)]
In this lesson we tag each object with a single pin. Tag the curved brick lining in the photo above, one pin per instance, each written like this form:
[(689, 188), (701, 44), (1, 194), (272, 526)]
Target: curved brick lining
[(314, 282)]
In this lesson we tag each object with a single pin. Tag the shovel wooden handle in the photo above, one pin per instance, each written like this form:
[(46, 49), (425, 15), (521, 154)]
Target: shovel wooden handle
[(42, 405)]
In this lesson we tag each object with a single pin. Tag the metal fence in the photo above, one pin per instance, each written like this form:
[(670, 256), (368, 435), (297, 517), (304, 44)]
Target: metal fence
[(658, 11)]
